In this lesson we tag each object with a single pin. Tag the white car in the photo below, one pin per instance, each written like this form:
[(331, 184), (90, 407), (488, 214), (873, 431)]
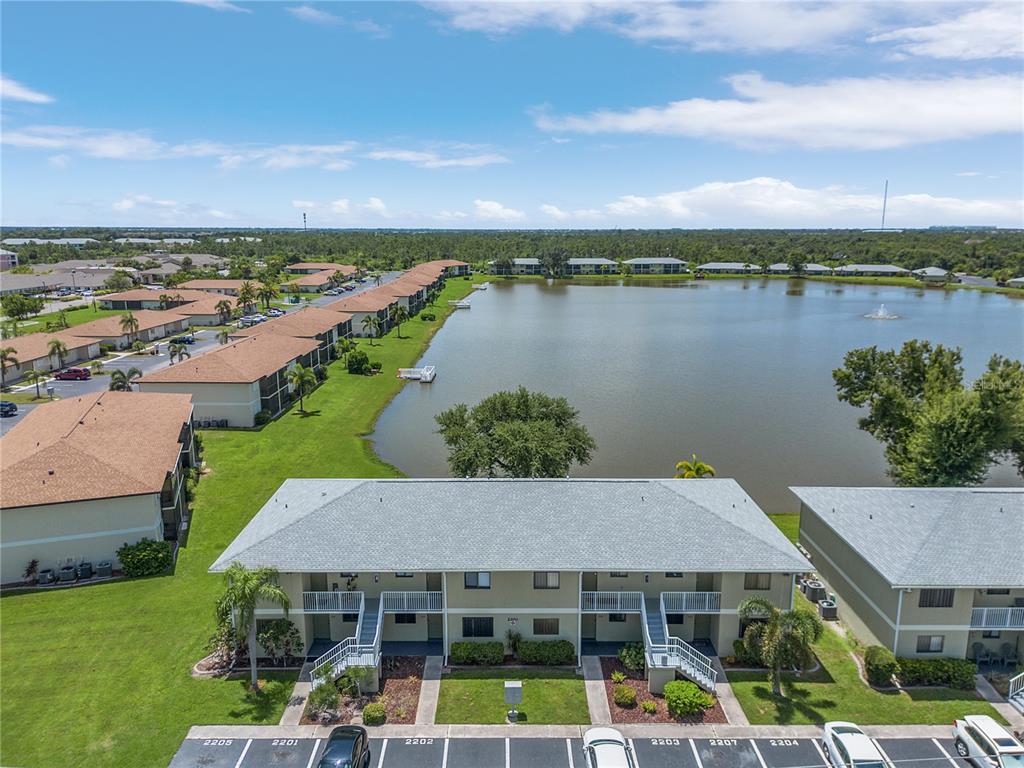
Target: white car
[(849, 747), (986, 743), (606, 748)]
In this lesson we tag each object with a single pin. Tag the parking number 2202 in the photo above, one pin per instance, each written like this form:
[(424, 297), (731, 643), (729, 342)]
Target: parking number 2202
[(419, 741)]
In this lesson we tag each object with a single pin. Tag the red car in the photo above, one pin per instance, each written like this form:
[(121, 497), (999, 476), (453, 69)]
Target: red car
[(73, 374)]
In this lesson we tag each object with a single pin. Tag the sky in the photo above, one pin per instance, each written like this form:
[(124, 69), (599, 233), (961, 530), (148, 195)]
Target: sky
[(214, 113)]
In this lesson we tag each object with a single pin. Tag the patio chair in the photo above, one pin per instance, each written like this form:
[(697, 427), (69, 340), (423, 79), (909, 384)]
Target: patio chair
[(982, 655), (1008, 655)]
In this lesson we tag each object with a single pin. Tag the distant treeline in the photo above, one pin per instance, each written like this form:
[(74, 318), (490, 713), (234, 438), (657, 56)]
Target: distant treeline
[(983, 252)]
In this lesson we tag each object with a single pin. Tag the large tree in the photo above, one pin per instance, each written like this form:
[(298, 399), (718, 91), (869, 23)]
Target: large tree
[(780, 639), (936, 431), (515, 434), (244, 589), (19, 307)]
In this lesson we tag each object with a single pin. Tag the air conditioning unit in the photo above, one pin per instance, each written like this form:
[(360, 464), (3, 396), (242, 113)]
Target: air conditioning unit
[(828, 610), (815, 591)]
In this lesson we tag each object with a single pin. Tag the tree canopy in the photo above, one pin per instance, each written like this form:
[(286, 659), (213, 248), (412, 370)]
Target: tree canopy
[(936, 431), (515, 434)]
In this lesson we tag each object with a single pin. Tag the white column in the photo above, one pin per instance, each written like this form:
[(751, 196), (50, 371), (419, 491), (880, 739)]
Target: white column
[(579, 622), (899, 613), (444, 617)]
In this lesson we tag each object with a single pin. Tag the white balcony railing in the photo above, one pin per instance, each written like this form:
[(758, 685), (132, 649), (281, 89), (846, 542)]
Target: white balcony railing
[(331, 602), (611, 602), (411, 602), (997, 618), (692, 602)]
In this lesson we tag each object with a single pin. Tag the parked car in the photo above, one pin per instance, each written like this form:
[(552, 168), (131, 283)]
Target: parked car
[(348, 287), (7, 408), (849, 747), (186, 339), (986, 743), (275, 312), (347, 747), (606, 748), (332, 292), (73, 374)]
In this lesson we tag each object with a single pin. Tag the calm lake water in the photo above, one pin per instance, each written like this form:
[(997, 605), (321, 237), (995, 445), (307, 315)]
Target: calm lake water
[(738, 371)]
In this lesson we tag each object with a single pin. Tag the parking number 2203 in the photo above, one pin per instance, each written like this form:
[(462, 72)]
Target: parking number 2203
[(665, 742)]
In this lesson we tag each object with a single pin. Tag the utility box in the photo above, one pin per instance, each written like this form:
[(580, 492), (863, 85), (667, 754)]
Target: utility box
[(513, 697)]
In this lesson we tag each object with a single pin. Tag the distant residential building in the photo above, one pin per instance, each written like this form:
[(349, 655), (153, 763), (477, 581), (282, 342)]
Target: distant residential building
[(870, 270), (144, 298), (589, 266), (312, 267), (660, 265), (26, 284), (935, 275), (316, 282), (323, 325), (86, 474), (152, 326), (452, 267), (33, 351), (224, 287), (729, 268), (518, 267), (8, 259), (73, 242), (240, 239), (1016, 282), (373, 303), (783, 268)]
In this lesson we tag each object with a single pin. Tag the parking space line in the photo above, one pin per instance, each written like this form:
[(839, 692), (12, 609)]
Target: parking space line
[(817, 746), (508, 758), (568, 752), (636, 759), (882, 752), (312, 755), (696, 755), (444, 756), (245, 749), (942, 749), (758, 753), (383, 749)]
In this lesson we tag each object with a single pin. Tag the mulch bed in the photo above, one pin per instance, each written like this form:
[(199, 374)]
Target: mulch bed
[(713, 715), (401, 677)]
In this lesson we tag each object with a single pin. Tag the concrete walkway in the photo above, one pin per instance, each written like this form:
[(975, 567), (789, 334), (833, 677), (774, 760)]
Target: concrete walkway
[(426, 711), (727, 698), (293, 712), (1001, 705), (597, 699)]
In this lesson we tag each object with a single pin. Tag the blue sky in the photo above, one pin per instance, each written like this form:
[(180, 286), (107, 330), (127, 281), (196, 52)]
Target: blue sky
[(533, 114)]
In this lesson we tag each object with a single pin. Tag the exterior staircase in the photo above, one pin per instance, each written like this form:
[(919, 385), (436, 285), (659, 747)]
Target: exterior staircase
[(1016, 696), (360, 650), (667, 652), (656, 629), (367, 627)]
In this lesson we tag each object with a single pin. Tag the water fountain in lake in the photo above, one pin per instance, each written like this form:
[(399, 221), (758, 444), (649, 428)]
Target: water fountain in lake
[(881, 314)]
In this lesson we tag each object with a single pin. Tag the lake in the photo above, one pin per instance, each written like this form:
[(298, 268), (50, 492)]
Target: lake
[(738, 371)]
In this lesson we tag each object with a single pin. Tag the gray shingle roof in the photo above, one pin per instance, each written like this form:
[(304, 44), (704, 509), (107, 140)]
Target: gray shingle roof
[(596, 262), (930, 537), (466, 525), (654, 260)]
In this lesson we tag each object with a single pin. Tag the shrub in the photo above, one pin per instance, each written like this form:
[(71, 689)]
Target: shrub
[(632, 656), (146, 558), (745, 657), (624, 696), (106, 349), (955, 673), (263, 417), (880, 665), (428, 316), (618, 677), (358, 362), (321, 373), (376, 366), (685, 698), (485, 654), (551, 653), (322, 698), (374, 714), (649, 706), (512, 640)]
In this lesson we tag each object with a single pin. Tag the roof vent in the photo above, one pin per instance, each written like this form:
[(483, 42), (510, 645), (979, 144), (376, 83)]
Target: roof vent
[(49, 471)]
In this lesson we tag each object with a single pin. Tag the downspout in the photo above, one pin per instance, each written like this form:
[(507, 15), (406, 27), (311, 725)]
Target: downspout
[(896, 633), (579, 622), (444, 618), (792, 592)]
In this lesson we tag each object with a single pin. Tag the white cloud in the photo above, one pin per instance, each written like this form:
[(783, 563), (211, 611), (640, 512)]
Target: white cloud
[(994, 31), (340, 206), (580, 214), (303, 204), (59, 161), (968, 173), (451, 215), (435, 160), (132, 201), (12, 90), (375, 206), (853, 113), (313, 15), (218, 214), (218, 5), (491, 210)]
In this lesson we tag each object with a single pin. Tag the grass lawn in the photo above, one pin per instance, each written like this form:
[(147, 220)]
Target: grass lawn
[(101, 674), (789, 524), (550, 696), (28, 397), (74, 315), (836, 692)]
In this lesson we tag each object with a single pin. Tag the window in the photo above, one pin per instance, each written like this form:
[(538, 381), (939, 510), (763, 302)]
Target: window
[(997, 591), (350, 618), (930, 643), (758, 581), (618, 574), (348, 575), (478, 580), (675, 618), (674, 575), (545, 579), (990, 634), (477, 626), (617, 618), (405, 618), (545, 626), (935, 598), (403, 575)]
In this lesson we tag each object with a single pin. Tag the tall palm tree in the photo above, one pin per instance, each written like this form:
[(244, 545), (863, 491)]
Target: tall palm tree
[(223, 336), (8, 358), (165, 300), (694, 467), (247, 295), (243, 590), (302, 380), (371, 325), (266, 293), (35, 377), (11, 328), (342, 348), (224, 308), (780, 639), (129, 325), (121, 380), (398, 315), (178, 350), (58, 349), (338, 277)]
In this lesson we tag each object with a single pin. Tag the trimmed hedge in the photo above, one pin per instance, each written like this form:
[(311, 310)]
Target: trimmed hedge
[(484, 654), (624, 696), (880, 665), (552, 653), (956, 673), (685, 698), (374, 714), (146, 558)]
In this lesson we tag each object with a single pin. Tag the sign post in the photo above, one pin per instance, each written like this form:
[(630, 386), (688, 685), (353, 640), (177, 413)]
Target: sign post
[(513, 696)]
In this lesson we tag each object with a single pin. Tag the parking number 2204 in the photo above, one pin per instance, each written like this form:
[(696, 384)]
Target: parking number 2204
[(784, 742)]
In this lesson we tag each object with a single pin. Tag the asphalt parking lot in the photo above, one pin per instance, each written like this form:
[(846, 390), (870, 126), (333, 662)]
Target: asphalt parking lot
[(554, 753)]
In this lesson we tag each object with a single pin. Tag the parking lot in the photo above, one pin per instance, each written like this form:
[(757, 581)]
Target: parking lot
[(554, 753)]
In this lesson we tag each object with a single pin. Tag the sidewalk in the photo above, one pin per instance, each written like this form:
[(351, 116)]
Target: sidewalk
[(430, 688), (597, 699), (1001, 705)]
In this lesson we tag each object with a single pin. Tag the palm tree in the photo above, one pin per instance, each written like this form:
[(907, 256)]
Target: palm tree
[(121, 380), (266, 293), (398, 315), (247, 295), (779, 638), (377, 279), (244, 589), (302, 380), (57, 349), (165, 300), (224, 308), (694, 467), (11, 328), (129, 324), (338, 277), (371, 326), (342, 347), (223, 336), (178, 350), (8, 357), (35, 377)]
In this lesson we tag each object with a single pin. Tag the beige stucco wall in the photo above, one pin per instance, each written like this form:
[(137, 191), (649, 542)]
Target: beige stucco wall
[(618, 632), (567, 625), (83, 531), (513, 589), (75, 356), (238, 403)]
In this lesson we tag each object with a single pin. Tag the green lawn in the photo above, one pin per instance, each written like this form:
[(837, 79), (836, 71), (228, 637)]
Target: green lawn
[(75, 316), (789, 524), (836, 692), (28, 397), (550, 696), (101, 674)]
